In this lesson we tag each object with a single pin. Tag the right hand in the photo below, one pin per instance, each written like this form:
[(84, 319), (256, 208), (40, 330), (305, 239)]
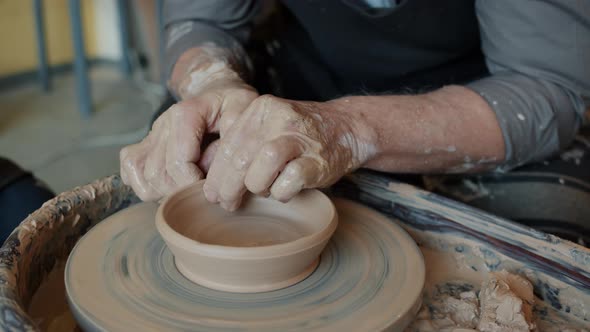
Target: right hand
[(170, 156)]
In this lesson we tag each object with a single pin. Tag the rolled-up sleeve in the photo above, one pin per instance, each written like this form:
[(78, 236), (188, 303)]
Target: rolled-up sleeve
[(190, 23), (538, 52)]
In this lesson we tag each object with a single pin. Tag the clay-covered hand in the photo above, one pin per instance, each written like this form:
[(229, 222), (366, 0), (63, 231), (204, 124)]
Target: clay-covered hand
[(278, 147), (170, 156)]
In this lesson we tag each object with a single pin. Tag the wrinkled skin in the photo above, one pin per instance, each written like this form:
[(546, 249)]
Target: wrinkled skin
[(170, 156), (269, 146), (278, 147)]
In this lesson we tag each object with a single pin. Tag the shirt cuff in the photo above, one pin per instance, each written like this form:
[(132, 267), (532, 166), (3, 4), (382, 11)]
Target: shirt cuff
[(537, 118)]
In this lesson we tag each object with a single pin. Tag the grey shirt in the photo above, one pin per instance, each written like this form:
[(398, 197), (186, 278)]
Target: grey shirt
[(538, 52)]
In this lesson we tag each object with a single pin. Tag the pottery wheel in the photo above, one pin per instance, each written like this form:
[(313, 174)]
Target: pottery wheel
[(122, 277)]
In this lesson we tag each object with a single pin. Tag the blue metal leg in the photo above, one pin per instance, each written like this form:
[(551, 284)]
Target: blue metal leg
[(160, 20), (41, 45), (80, 67), (123, 10)]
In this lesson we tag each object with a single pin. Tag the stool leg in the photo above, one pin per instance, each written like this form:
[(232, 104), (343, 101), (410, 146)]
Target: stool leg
[(160, 18), (80, 66), (123, 10), (41, 45)]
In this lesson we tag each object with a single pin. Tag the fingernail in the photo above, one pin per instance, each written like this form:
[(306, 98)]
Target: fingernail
[(210, 195), (230, 206), (224, 205), (234, 206)]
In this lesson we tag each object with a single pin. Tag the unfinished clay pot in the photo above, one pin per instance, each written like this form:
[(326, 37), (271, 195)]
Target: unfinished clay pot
[(265, 245)]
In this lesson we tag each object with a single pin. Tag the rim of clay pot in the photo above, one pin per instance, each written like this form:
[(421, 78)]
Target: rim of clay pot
[(245, 253)]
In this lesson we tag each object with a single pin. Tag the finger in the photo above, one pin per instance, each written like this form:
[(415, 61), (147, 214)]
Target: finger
[(213, 182), (123, 155), (233, 187), (207, 156), (225, 180), (132, 165), (185, 132), (155, 169), (133, 151), (271, 159), (299, 174)]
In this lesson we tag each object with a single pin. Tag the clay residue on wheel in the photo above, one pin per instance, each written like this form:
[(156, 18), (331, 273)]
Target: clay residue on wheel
[(47, 236)]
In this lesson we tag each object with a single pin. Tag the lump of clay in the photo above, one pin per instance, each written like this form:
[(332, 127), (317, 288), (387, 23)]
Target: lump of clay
[(451, 313), (506, 304), (463, 311)]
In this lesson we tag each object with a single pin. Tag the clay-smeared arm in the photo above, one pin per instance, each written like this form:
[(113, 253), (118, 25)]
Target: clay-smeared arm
[(223, 24), (280, 147), (451, 130), (529, 108)]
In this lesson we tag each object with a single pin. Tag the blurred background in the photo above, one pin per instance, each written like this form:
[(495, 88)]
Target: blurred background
[(79, 79)]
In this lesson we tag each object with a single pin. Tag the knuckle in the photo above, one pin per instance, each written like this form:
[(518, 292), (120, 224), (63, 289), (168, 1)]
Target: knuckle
[(271, 153), (130, 163), (180, 111), (227, 151), (294, 169), (135, 151), (265, 98), (263, 102), (123, 154), (240, 161), (130, 151)]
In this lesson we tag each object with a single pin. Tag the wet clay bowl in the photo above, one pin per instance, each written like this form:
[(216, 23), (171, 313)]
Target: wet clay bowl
[(265, 245)]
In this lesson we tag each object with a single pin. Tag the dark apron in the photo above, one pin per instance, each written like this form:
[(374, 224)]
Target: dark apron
[(332, 48)]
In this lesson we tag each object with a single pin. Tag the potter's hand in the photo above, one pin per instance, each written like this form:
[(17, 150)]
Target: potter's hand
[(213, 95), (280, 147), (170, 156)]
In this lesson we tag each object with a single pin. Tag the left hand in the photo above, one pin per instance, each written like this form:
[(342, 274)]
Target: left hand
[(278, 147)]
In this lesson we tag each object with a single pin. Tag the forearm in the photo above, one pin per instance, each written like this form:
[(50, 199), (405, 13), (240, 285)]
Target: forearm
[(205, 35), (449, 130), (200, 67)]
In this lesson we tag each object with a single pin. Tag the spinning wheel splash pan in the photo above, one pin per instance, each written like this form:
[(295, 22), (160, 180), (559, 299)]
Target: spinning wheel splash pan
[(122, 277)]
